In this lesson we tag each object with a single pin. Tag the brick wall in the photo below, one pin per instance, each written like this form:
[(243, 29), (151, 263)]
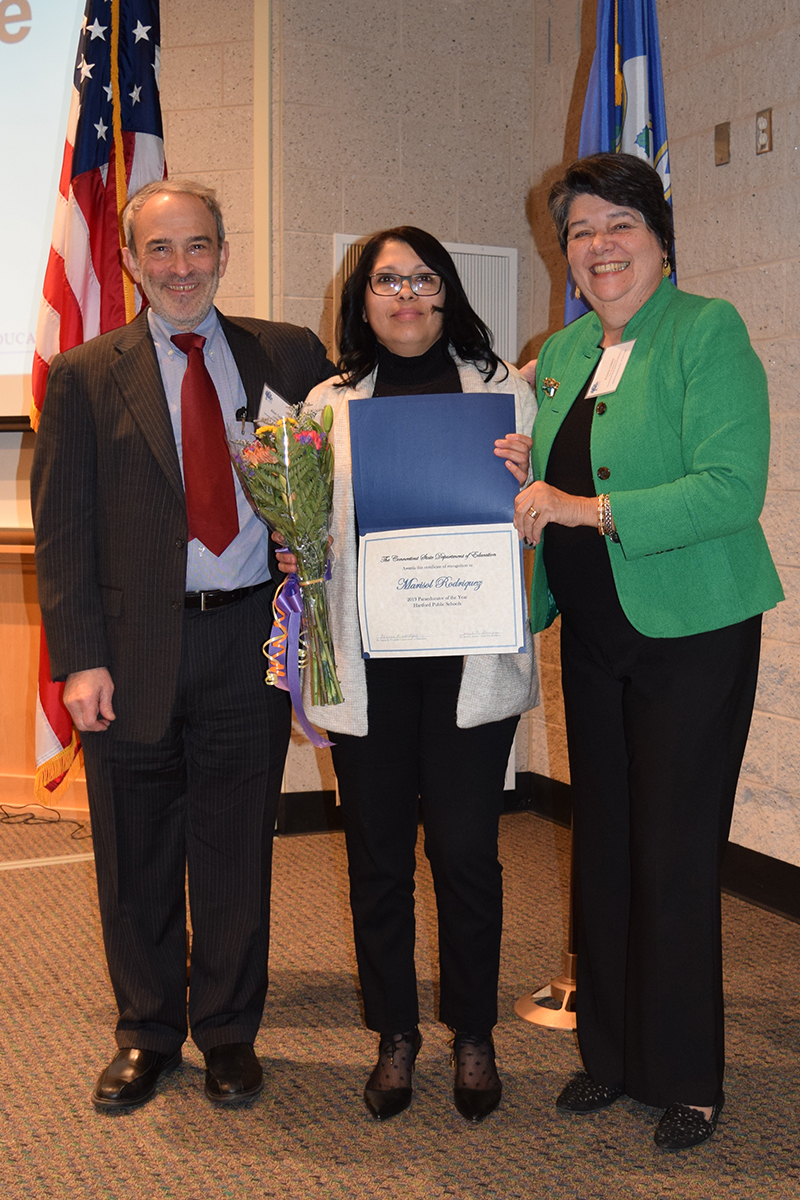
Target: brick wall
[(207, 104)]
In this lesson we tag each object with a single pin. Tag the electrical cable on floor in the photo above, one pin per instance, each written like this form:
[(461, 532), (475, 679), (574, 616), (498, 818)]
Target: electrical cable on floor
[(47, 816)]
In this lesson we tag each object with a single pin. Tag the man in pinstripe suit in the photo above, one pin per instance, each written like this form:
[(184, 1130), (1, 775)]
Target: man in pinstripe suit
[(159, 642)]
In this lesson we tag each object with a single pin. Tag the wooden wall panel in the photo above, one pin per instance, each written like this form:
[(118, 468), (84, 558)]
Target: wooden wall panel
[(19, 666)]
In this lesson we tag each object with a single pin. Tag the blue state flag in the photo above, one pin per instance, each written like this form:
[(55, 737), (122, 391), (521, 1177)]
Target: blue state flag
[(624, 105)]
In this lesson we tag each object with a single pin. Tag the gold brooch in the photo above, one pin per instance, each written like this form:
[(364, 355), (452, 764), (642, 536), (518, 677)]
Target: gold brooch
[(550, 386)]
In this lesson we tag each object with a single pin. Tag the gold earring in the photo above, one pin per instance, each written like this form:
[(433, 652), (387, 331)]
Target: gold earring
[(577, 292), (666, 268)]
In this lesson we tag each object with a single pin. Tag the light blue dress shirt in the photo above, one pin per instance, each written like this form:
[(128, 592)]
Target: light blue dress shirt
[(244, 561)]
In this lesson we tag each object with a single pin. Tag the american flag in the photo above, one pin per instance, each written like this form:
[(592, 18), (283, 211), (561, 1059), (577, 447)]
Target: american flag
[(114, 146)]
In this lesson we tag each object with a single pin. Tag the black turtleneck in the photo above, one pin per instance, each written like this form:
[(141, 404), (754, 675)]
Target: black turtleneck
[(425, 374)]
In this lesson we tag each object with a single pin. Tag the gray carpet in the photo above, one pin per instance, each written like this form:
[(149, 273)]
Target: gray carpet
[(310, 1134)]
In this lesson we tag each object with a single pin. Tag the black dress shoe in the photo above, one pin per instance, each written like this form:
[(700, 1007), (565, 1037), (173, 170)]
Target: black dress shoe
[(682, 1127), (584, 1095), (388, 1091), (131, 1077), (233, 1073), (477, 1089)]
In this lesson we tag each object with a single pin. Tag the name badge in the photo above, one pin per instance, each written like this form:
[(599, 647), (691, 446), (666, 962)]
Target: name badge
[(272, 406), (610, 368)]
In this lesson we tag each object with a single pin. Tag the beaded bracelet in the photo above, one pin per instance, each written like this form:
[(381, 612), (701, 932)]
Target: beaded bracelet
[(605, 520)]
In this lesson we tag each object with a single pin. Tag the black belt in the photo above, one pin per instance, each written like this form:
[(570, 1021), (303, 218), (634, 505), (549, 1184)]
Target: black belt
[(206, 600)]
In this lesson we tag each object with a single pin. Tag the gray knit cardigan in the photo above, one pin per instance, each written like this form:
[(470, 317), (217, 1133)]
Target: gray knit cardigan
[(493, 686)]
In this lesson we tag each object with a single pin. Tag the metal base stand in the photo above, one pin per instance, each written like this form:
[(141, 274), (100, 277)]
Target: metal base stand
[(538, 1007), (554, 1005)]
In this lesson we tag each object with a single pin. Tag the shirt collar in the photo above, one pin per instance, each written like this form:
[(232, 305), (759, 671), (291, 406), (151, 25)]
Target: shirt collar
[(162, 331)]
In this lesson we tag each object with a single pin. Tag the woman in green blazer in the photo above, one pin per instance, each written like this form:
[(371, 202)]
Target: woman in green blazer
[(653, 432)]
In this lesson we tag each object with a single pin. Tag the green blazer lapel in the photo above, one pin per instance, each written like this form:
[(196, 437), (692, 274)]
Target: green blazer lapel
[(570, 373), (137, 375)]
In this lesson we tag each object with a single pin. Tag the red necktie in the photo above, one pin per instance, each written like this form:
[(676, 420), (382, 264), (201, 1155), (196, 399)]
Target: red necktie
[(207, 476)]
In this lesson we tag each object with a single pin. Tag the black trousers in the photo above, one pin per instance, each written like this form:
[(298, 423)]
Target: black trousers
[(415, 754), (205, 796), (657, 729)]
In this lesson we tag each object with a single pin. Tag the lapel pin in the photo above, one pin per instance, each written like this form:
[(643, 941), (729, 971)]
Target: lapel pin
[(550, 386)]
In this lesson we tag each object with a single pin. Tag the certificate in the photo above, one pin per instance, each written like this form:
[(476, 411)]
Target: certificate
[(442, 590), (440, 562)]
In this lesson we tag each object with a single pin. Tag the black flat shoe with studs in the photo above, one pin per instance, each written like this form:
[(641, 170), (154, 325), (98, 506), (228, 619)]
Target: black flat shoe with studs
[(584, 1095), (682, 1127)]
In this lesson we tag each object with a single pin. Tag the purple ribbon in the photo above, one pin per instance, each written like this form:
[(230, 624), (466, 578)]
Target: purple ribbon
[(289, 602)]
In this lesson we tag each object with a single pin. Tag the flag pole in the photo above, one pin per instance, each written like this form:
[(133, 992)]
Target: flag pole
[(623, 111), (120, 174)]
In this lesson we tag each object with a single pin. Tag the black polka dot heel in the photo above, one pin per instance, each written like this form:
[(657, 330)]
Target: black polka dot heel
[(477, 1088), (389, 1091)]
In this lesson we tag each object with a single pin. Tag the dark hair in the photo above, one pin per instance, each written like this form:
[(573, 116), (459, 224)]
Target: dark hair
[(620, 179), (461, 325)]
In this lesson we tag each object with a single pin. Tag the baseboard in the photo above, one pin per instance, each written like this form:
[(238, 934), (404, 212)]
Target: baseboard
[(546, 797), (767, 882), (318, 812), (16, 792), (757, 878), (307, 812)]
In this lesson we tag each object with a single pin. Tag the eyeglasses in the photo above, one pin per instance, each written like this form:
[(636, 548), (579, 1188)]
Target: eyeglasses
[(385, 284)]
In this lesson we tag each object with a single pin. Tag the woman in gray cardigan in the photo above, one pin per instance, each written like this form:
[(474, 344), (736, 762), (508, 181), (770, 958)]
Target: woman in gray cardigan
[(431, 732)]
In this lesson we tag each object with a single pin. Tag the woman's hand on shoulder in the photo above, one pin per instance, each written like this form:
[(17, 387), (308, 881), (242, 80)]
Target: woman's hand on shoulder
[(528, 371), (536, 506), (515, 448)]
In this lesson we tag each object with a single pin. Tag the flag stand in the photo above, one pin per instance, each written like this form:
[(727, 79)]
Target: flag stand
[(533, 1006), (554, 1004)]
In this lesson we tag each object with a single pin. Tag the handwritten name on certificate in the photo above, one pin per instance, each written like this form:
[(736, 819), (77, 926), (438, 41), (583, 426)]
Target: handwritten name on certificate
[(448, 590)]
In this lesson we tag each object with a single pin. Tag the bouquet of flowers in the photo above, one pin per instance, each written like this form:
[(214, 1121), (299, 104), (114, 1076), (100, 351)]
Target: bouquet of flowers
[(287, 471)]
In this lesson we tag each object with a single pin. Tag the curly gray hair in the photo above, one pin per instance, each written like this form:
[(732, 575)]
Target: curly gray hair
[(179, 187)]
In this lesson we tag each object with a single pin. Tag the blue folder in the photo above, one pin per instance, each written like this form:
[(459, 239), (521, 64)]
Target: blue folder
[(422, 461)]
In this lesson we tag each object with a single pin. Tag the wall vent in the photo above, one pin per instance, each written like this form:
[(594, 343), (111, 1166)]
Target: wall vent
[(489, 275)]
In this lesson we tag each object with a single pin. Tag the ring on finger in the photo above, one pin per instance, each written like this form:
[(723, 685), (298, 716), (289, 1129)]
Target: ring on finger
[(532, 513)]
